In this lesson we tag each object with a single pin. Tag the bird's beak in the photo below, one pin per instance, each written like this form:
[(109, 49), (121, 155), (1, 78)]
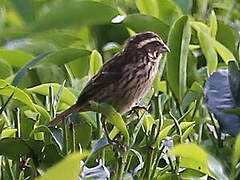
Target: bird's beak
[(165, 48)]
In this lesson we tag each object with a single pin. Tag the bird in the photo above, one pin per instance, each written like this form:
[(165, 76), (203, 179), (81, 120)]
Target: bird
[(124, 78)]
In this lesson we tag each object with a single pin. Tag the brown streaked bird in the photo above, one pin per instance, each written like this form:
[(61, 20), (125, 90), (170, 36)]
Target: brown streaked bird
[(124, 78)]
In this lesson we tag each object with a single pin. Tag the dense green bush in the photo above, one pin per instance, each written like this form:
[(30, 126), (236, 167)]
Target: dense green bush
[(51, 48)]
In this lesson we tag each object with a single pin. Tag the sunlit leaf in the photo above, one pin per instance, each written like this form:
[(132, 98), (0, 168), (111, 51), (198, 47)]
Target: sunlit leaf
[(69, 13), (236, 152), (112, 116), (69, 168), (15, 58), (213, 24), (192, 156), (148, 121), (207, 46), (66, 96), (8, 132), (179, 38), (95, 62), (186, 133), (7, 90), (225, 53), (163, 134), (168, 11), (148, 7)]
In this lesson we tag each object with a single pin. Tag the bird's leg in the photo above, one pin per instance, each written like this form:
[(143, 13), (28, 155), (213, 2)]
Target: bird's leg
[(114, 142), (136, 108)]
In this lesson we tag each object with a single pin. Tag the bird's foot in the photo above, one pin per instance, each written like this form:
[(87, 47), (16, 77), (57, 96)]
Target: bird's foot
[(137, 108)]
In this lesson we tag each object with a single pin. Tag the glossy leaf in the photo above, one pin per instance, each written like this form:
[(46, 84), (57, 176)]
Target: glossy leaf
[(7, 90), (140, 23), (226, 30), (8, 132), (179, 38), (207, 46), (192, 156), (168, 11), (213, 24), (112, 116), (95, 62), (101, 143), (186, 133), (216, 168), (21, 72), (163, 134), (15, 58), (65, 56), (67, 96), (69, 13), (148, 7), (68, 168), (225, 53), (5, 69), (148, 121), (236, 152)]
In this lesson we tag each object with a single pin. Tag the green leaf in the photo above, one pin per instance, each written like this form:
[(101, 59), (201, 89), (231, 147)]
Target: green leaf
[(69, 168), (163, 134), (96, 63), (226, 30), (189, 159), (169, 11), (216, 168), (140, 23), (207, 46), (112, 116), (199, 26), (21, 72), (28, 147), (186, 6), (148, 7), (68, 13), (5, 69), (236, 152), (8, 133), (15, 58), (65, 56), (66, 96), (178, 41), (213, 24), (24, 9), (186, 133), (148, 121), (7, 90), (185, 125), (224, 52)]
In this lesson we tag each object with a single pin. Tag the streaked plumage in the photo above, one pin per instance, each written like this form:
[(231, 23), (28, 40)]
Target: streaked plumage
[(125, 78)]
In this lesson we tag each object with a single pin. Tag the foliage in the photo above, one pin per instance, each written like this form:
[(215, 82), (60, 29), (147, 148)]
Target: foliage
[(50, 49)]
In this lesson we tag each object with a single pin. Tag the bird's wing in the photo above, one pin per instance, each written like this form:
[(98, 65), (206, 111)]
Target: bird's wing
[(110, 73)]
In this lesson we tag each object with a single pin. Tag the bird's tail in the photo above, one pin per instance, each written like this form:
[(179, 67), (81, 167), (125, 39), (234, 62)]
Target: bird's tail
[(73, 109)]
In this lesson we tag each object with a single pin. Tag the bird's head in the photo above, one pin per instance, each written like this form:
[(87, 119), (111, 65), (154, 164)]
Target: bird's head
[(146, 43)]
